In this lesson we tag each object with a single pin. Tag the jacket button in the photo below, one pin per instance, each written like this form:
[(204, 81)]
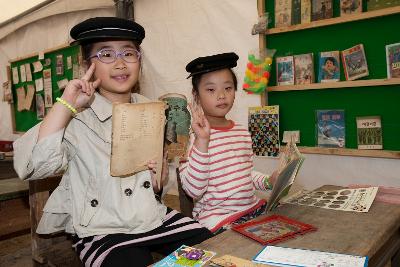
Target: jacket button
[(94, 203), (146, 184), (128, 192)]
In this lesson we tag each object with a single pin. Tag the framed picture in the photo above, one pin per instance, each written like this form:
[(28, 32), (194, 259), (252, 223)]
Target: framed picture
[(273, 229)]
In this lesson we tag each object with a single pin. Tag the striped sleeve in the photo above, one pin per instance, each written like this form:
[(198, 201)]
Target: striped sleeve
[(260, 180), (194, 173)]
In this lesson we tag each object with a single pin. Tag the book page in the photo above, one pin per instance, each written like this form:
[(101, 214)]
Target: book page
[(137, 137), (283, 182), (301, 257)]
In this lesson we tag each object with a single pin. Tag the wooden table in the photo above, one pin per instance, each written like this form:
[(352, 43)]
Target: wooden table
[(375, 234)]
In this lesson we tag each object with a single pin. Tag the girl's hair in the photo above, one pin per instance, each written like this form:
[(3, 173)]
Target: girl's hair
[(197, 78), (87, 52)]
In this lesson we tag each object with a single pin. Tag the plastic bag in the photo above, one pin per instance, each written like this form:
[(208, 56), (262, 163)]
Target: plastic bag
[(258, 72), (261, 26)]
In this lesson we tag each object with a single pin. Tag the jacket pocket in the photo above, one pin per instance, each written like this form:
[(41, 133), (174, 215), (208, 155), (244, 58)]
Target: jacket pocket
[(91, 202)]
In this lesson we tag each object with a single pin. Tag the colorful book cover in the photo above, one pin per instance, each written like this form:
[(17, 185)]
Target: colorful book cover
[(273, 229), (283, 13), (354, 62), (304, 68), (305, 11), (264, 130), (321, 9), (186, 256), (393, 60), (369, 132), (330, 128), (379, 4), (296, 12), (329, 67), (285, 70), (349, 7), (232, 261)]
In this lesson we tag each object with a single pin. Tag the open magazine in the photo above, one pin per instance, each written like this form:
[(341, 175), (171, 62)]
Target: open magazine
[(290, 163)]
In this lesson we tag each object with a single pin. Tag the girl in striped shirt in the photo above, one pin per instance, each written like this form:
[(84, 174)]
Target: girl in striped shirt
[(219, 173)]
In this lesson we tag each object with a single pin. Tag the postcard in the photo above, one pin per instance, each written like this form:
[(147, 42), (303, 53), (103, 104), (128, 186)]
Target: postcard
[(273, 229)]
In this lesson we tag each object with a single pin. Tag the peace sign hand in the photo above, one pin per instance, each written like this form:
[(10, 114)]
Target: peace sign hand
[(200, 124), (79, 91)]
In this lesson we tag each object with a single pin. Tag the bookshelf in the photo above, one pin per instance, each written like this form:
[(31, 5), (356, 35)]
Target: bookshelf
[(373, 91)]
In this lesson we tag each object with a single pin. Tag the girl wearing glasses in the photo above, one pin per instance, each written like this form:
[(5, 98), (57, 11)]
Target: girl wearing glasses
[(113, 221)]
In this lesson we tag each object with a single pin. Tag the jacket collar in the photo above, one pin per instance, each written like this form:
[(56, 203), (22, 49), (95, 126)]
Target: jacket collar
[(102, 107)]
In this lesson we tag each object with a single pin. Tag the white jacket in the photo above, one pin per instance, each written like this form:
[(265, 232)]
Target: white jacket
[(88, 201)]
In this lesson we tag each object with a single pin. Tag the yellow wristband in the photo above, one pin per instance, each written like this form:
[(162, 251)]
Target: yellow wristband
[(67, 105)]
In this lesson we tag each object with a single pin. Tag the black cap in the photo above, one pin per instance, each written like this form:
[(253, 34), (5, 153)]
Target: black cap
[(104, 28), (212, 63)]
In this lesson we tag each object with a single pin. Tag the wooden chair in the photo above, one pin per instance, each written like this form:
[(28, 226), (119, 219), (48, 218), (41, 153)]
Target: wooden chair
[(48, 250), (185, 202)]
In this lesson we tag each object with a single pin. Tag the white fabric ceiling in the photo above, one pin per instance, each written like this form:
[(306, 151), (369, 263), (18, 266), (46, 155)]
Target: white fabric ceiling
[(16, 7)]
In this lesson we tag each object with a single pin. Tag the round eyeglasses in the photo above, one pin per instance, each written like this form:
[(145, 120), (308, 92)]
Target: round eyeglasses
[(109, 56)]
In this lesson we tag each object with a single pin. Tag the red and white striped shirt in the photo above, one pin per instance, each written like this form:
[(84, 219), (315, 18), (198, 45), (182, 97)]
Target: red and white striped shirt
[(222, 182)]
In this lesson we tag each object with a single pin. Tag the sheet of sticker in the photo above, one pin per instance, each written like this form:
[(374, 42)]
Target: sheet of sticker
[(357, 200)]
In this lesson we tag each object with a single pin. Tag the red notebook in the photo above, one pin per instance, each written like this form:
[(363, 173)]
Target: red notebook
[(273, 229)]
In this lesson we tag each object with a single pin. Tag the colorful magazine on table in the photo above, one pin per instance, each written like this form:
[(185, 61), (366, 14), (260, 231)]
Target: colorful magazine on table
[(330, 128), (289, 165), (393, 60), (273, 229), (186, 256), (295, 257)]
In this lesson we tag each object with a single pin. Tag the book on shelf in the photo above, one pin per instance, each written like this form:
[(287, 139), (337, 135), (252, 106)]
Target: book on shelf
[(329, 67), (289, 165), (305, 11), (186, 256), (296, 12), (264, 130), (330, 128), (321, 9), (349, 7), (393, 60), (304, 68), (354, 62), (380, 4), (137, 137), (273, 229), (369, 132), (283, 13), (285, 70), (282, 256)]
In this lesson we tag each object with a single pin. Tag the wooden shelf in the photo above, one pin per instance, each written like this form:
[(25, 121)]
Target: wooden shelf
[(342, 84), (336, 20), (351, 152)]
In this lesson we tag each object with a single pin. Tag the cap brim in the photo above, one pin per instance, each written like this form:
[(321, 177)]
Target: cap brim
[(102, 38), (208, 70)]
